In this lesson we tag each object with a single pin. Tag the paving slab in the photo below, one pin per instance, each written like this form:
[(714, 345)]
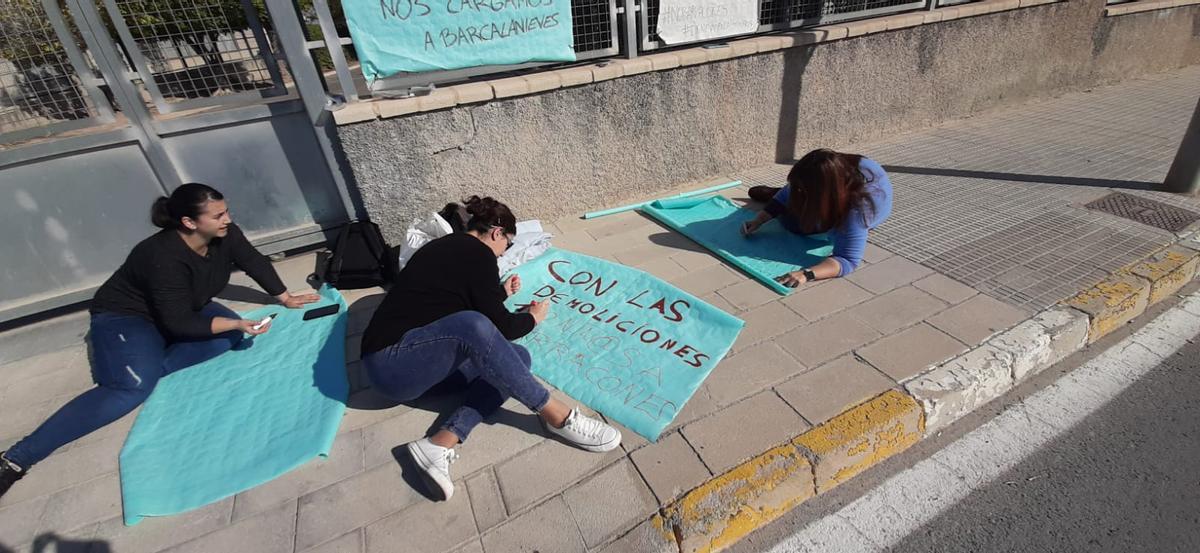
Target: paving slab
[(546, 528), (834, 296), (946, 288), (19, 521), (345, 460), (664, 268), (610, 503), (546, 469), (911, 351), (155, 534), (766, 322), (748, 294), (426, 527), (486, 502), (743, 429), (82, 505), (351, 542), (974, 320), (354, 502), (826, 339), (825, 391), (670, 467), (751, 371), (889, 274), (272, 531), (875, 254), (644, 538), (900, 308), (66, 469), (701, 282)]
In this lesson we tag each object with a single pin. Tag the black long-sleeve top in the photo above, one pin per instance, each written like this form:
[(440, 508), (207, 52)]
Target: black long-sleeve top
[(166, 281), (454, 273)]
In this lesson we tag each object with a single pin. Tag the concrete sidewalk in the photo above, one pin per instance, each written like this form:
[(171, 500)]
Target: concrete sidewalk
[(989, 232)]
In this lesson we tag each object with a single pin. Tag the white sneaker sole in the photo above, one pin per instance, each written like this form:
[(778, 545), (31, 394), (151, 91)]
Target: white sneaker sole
[(433, 479), (594, 448), (601, 448)]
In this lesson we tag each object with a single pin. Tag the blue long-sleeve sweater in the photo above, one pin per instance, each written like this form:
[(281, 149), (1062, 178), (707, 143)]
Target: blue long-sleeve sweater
[(850, 239)]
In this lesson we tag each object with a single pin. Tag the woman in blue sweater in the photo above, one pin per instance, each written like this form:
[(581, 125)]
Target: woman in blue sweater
[(845, 195)]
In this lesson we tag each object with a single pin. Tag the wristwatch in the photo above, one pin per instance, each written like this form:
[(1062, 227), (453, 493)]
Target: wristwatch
[(809, 276)]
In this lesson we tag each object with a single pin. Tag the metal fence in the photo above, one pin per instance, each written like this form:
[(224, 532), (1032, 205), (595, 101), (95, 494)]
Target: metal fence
[(188, 54), (107, 104), (182, 54), (196, 53), (46, 84), (595, 32), (602, 28), (778, 15)]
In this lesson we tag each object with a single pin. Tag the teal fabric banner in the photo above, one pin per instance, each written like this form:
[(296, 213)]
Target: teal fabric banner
[(620, 340), (393, 36), (716, 224), (244, 418)]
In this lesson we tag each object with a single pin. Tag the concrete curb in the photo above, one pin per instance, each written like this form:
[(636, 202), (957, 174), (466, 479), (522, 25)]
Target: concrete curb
[(732, 505)]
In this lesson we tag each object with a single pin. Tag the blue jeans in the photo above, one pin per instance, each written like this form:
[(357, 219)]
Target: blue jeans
[(465, 344), (129, 355)]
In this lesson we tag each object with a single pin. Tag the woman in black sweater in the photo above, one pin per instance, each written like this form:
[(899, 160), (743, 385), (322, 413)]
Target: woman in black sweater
[(155, 315), (445, 318)]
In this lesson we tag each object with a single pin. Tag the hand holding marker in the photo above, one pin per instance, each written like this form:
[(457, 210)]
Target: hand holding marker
[(264, 322)]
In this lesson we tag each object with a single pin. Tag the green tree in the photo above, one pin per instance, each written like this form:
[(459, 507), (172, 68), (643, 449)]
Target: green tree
[(45, 85), (197, 23)]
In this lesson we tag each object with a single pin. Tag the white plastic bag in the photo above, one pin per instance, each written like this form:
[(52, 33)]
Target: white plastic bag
[(421, 233), (529, 243)]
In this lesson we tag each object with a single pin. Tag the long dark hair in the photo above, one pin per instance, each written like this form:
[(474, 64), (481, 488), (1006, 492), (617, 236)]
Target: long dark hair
[(480, 215), (825, 186), (186, 201)]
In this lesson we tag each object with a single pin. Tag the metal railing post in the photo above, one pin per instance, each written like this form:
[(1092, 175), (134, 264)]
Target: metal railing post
[(632, 43), (1184, 176), (312, 90)]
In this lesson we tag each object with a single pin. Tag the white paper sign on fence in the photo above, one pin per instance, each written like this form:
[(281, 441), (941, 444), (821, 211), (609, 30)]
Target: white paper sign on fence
[(681, 21)]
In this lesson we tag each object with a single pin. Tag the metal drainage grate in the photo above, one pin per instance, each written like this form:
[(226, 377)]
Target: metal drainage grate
[(1145, 211)]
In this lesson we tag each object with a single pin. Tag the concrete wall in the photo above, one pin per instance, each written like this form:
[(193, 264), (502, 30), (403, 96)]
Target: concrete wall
[(575, 149)]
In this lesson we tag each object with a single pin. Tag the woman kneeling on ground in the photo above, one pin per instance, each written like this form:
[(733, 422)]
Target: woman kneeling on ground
[(445, 318), (845, 195), (155, 316)]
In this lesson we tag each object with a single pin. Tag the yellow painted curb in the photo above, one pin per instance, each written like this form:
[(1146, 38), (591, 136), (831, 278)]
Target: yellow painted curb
[(1168, 271), (1112, 303), (727, 508), (1126, 294), (862, 437)]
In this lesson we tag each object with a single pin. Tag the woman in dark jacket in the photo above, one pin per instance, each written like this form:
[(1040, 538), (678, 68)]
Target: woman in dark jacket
[(155, 315), (445, 318)]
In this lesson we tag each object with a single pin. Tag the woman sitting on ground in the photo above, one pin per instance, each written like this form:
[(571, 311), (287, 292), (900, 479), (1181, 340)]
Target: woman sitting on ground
[(445, 318), (155, 316), (845, 195)]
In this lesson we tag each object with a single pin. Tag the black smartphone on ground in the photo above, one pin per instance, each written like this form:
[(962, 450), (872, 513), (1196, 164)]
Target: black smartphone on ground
[(321, 312)]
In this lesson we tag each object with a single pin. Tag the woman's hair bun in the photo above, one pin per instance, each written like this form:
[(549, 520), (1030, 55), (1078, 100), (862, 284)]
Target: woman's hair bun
[(487, 212)]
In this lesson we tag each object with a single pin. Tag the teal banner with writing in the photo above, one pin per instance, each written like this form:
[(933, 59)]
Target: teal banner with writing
[(393, 36), (620, 340)]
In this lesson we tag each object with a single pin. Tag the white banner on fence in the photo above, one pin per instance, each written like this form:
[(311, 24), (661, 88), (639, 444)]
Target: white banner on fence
[(681, 21)]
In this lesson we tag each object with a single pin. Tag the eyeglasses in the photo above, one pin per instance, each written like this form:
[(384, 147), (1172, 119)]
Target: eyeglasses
[(506, 237)]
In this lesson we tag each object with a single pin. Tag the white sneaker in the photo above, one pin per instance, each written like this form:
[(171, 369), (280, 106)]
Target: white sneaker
[(586, 432), (434, 462)]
